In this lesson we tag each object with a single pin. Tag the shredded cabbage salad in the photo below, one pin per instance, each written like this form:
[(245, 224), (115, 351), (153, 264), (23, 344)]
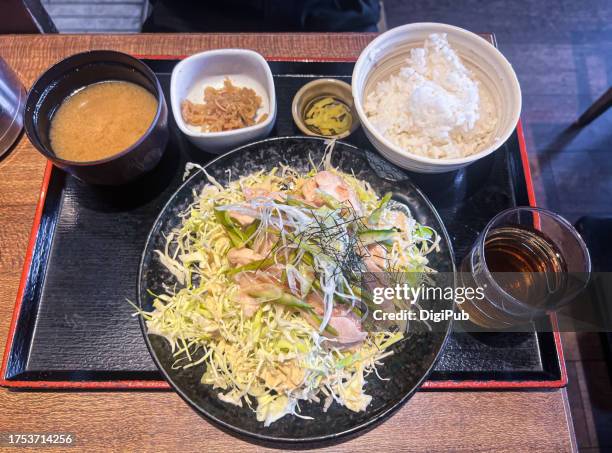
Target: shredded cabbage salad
[(267, 297)]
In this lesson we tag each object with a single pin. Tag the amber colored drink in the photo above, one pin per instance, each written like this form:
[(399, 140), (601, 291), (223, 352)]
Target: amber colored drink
[(524, 264)]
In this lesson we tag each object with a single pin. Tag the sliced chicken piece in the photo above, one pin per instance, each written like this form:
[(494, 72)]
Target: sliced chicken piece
[(264, 243), (374, 257), (375, 263), (348, 328), (377, 258), (251, 193), (309, 192), (316, 301), (243, 256), (346, 323), (250, 281), (242, 219), (270, 274), (249, 304), (336, 187)]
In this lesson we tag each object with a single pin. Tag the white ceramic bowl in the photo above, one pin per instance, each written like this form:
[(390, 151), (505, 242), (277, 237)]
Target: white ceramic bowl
[(244, 68), (386, 54)]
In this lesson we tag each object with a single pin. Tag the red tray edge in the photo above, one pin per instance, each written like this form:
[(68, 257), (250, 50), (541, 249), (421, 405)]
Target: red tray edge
[(162, 385)]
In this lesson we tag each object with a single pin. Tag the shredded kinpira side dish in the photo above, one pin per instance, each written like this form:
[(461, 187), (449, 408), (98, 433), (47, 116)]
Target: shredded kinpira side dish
[(224, 109), (267, 295)]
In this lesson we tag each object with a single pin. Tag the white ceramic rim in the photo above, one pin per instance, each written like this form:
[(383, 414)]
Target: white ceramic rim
[(436, 28), (178, 117)]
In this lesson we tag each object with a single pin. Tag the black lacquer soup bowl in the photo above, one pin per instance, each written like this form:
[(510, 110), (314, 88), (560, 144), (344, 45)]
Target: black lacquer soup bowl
[(78, 71)]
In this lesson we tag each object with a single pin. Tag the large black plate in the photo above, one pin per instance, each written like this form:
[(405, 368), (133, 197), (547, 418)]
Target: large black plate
[(407, 368)]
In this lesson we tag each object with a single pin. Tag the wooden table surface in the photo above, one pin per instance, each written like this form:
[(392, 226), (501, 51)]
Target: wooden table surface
[(161, 421)]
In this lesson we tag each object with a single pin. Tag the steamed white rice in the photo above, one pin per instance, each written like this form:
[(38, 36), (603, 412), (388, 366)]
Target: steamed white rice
[(433, 107)]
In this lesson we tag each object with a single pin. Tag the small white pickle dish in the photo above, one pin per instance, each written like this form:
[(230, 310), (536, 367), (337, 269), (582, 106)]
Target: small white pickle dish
[(245, 68)]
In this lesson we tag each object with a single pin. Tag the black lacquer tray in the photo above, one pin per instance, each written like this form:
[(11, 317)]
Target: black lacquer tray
[(72, 326)]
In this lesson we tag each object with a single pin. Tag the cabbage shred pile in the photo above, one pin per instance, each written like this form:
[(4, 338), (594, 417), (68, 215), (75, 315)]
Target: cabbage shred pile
[(266, 296)]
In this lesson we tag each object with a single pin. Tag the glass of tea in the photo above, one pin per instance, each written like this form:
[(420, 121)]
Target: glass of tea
[(528, 262)]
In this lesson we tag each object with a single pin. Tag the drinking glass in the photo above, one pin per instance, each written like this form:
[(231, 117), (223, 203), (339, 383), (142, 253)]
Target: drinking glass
[(12, 101), (527, 261)]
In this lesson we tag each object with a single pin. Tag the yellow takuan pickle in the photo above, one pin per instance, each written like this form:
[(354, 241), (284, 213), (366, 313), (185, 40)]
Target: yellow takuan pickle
[(329, 116)]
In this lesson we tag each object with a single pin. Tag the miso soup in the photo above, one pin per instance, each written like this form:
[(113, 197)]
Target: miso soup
[(101, 120)]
